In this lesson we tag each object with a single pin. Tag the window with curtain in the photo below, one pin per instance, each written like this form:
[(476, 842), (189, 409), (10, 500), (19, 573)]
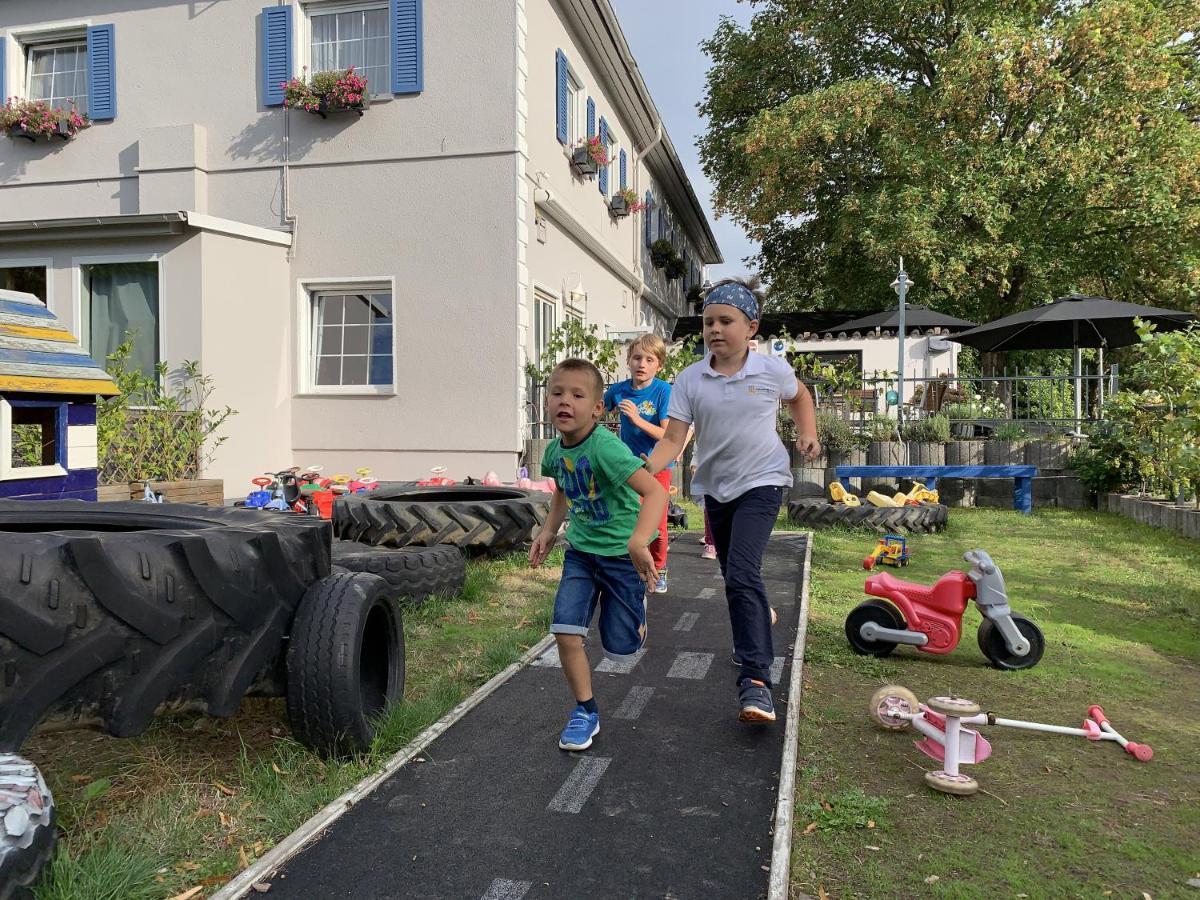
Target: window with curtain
[(27, 279), (351, 338), (58, 73), (356, 37), (120, 302)]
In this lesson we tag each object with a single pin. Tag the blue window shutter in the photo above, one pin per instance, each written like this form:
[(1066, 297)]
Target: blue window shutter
[(408, 47), (276, 53), (561, 96), (648, 212), (591, 117), (624, 183), (603, 179), (101, 73)]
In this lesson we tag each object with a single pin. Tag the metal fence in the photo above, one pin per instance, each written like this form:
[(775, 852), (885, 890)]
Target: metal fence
[(1046, 401)]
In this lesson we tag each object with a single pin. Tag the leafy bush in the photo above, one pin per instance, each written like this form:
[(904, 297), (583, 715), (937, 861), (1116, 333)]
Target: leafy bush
[(930, 430), (574, 339), (157, 428), (662, 252), (680, 357), (835, 433), (1009, 431), (881, 427)]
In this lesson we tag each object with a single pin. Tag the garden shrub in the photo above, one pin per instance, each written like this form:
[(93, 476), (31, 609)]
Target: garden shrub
[(930, 430), (835, 433)]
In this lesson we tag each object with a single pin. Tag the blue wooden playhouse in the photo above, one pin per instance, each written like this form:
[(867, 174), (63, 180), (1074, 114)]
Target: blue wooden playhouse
[(48, 391)]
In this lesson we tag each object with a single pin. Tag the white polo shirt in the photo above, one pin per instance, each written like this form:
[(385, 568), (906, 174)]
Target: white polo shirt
[(736, 426)]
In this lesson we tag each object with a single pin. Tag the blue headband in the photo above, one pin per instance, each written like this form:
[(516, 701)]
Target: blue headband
[(734, 295)]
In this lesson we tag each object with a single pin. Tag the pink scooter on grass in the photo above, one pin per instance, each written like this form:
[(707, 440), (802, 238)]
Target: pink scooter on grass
[(942, 719)]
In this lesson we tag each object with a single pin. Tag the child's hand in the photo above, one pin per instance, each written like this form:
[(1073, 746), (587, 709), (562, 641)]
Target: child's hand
[(629, 408), (808, 446), (541, 547), (643, 562)]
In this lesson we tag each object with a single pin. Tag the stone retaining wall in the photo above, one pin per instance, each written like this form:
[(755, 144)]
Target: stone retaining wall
[(1159, 513)]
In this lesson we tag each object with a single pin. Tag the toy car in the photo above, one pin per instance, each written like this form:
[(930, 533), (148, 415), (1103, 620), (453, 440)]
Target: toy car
[(892, 550)]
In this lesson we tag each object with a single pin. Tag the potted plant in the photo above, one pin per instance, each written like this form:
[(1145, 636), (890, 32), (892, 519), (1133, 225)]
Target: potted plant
[(33, 119), (961, 415), (624, 202), (926, 440), (1007, 446), (662, 252), (337, 90), (588, 157), (676, 268), (695, 296)]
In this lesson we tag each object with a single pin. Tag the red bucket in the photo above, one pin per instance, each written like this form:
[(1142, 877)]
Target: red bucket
[(324, 502)]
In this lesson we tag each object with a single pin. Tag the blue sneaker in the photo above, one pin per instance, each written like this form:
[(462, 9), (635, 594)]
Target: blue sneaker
[(660, 586), (755, 699), (581, 728)]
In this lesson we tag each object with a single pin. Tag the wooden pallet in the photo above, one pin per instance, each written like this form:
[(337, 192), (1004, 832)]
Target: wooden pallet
[(207, 491)]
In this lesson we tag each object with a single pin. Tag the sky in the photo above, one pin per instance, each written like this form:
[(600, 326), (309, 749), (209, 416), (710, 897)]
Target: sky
[(665, 38)]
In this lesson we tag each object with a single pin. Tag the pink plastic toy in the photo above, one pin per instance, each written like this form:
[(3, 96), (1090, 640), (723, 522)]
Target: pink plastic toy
[(439, 478), (491, 479), (942, 719)]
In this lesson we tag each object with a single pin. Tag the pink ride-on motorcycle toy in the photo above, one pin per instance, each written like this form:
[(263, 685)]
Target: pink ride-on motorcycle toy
[(930, 617), (943, 721)]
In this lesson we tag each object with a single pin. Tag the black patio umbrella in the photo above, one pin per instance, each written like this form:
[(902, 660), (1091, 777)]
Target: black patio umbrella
[(915, 316), (1070, 323)]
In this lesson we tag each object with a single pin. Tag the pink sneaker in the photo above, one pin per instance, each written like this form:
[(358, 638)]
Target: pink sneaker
[(709, 552)]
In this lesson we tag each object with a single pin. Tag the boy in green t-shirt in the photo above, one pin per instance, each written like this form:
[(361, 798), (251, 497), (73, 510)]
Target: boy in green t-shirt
[(599, 479)]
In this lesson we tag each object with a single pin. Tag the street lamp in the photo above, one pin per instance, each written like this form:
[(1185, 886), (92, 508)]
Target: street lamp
[(901, 286)]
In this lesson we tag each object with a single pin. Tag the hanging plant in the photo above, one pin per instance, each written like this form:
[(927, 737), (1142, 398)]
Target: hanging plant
[(662, 252), (676, 268), (589, 156), (338, 90), (624, 202)]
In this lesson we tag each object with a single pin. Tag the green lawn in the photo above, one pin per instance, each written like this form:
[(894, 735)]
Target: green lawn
[(1061, 817)]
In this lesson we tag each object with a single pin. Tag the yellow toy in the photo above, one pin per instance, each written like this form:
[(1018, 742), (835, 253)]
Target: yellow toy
[(891, 550), (921, 494), (877, 499), (841, 495)]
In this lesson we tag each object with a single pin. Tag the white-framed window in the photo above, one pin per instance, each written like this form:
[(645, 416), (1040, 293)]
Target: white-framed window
[(341, 35), (545, 321), (27, 276), (56, 72), (576, 112), (32, 436), (349, 338), (118, 301)]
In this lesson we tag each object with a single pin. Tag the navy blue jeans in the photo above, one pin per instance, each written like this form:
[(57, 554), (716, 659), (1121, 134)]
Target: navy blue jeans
[(741, 529)]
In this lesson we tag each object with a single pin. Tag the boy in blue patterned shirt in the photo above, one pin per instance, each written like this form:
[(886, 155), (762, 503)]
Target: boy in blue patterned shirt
[(608, 563)]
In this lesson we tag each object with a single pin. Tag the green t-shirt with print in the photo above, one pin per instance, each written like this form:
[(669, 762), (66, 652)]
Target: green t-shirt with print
[(594, 476)]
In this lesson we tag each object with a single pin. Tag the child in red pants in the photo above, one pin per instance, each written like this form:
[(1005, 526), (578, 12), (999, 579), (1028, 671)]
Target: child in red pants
[(643, 401)]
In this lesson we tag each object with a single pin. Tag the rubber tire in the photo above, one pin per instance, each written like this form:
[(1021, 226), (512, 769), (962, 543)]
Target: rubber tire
[(414, 573), (21, 866), (954, 706), (476, 518), (820, 513), (892, 690), (345, 662), (110, 610), (877, 611), (991, 642)]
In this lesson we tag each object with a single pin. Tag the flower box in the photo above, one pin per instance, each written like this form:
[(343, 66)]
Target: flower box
[(328, 106), (34, 119), (582, 163), (328, 93), (618, 207)]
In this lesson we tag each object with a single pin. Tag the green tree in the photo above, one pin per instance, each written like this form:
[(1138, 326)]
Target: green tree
[(1011, 152)]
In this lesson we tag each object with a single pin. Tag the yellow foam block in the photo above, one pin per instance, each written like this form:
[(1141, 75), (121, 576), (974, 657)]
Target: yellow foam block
[(877, 499)]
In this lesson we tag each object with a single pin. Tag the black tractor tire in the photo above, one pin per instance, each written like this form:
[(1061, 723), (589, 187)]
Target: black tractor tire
[(478, 519), (23, 855), (414, 573), (994, 647), (820, 513), (345, 662), (111, 611)]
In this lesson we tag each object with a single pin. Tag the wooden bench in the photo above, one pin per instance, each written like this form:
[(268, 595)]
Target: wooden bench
[(1022, 477)]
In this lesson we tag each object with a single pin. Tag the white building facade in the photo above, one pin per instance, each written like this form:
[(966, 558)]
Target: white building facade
[(363, 289)]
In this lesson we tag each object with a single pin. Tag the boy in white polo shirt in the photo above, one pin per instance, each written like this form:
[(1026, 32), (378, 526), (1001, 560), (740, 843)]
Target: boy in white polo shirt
[(731, 399)]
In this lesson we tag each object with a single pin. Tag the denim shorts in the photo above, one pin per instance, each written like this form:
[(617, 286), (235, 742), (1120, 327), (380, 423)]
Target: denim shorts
[(611, 581)]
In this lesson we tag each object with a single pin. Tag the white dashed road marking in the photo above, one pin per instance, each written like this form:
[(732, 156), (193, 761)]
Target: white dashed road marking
[(633, 704), (687, 621), (690, 665), (706, 594), (623, 666), (579, 785), (548, 660), (503, 889), (777, 669)]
